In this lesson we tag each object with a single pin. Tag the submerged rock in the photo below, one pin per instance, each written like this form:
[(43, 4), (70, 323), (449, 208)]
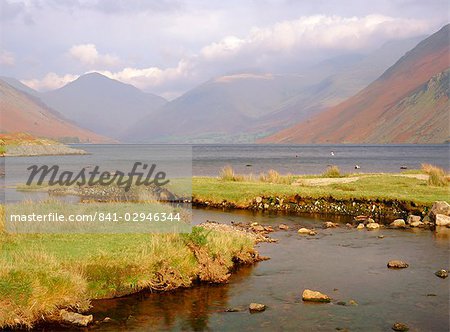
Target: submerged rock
[(75, 318), (352, 302), (400, 327), (315, 296), (442, 220), (256, 307), (283, 227), (397, 264), (441, 274), (398, 223)]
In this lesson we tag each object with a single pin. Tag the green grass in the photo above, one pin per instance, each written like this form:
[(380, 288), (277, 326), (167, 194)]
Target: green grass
[(372, 186), (332, 172), (45, 272)]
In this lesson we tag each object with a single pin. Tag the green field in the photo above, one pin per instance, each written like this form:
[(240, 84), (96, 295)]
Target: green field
[(367, 186)]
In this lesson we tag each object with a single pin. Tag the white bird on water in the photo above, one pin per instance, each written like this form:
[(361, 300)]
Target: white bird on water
[(357, 167), (332, 153)]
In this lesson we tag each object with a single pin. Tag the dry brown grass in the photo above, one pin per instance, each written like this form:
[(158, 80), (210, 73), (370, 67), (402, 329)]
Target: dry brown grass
[(437, 176)]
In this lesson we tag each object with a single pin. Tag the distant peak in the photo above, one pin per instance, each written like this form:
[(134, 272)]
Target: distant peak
[(94, 75), (230, 78)]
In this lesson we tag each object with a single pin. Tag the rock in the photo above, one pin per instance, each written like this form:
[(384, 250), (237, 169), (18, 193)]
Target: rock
[(258, 228), (254, 224), (349, 225), (283, 227), (106, 320), (233, 309), (341, 303), (370, 221), (268, 229), (303, 230), (380, 236), (329, 224), (439, 207), (75, 318), (442, 220), (441, 274), (412, 219), (312, 233), (360, 226), (258, 199), (314, 296), (256, 307), (417, 224), (352, 302), (372, 226), (361, 218), (396, 264), (398, 223), (400, 327)]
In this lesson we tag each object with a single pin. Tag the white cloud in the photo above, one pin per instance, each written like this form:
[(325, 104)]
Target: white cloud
[(50, 81), (7, 58), (267, 47), (88, 55)]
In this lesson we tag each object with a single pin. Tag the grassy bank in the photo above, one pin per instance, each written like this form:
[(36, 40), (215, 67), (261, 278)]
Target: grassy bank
[(401, 187), (41, 274)]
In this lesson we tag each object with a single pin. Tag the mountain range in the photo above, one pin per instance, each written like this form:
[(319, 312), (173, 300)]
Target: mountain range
[(396, 93), (23, 112), (408, 103)]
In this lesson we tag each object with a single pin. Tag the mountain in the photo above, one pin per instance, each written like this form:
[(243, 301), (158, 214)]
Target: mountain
[(337, 86), (408, 103), (103, 105), (243, 107), (15, 83), (218, 110), (22, 112)]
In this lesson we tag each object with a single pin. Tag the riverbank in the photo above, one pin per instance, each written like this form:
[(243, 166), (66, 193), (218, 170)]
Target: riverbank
[(378, 195), (21, 145), (46, 277)]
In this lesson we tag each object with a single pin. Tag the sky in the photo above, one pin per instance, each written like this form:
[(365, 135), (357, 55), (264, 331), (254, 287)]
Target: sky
[(169, 46)]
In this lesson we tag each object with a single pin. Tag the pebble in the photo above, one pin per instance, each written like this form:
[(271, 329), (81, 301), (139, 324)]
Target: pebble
[(400, 327)]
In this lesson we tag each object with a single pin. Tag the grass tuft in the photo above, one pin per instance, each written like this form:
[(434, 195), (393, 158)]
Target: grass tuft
[(332, 172), (437, 176)]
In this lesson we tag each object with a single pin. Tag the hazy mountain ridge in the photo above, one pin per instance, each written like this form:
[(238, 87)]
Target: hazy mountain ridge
[(103, 105), (21, 112), (365, 117)]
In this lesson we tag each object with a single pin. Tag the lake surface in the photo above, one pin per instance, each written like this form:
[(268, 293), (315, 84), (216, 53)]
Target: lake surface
[(343, 263)]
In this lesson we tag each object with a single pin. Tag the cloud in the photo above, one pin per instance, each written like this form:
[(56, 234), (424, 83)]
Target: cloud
[(50, 81), (88, 55), (271, 47), (7, 58)]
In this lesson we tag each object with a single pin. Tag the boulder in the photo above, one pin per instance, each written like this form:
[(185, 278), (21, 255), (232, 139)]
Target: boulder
[(442, 220), (256, 307), (398, 223), (329, 224), (370, 221), (312, 233), (417, 224), (439, 207), (349, 225), (314, 296), (397, 264), (258, 228), (303, 230), (372, 226), (413, 219), (283, 227), (400, 327), (441, 274), (360, 226), (75, 318), (361, 218)]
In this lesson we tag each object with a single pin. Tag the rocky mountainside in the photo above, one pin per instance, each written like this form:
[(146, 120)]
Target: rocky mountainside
[(408, 103)]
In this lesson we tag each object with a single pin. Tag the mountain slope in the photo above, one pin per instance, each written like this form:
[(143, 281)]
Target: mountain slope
[(243, 107), (364, 118), (103, 105), (21, 112)]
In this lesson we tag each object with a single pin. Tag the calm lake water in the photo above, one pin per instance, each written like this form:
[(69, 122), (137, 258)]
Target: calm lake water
[(343, 263)]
